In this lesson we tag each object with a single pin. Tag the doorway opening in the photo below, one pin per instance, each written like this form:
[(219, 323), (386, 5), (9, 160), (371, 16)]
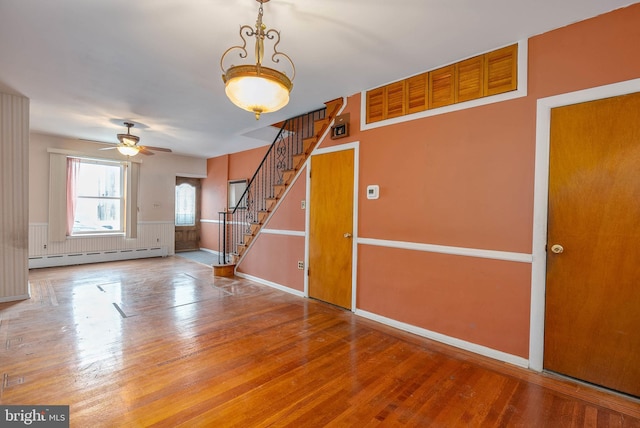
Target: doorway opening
[(187, 214)]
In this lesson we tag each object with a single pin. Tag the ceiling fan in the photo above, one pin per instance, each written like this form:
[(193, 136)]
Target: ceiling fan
[(128, 144)]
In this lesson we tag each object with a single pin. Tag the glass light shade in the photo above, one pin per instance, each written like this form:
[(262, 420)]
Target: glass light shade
[(128, 150), (263, 92)]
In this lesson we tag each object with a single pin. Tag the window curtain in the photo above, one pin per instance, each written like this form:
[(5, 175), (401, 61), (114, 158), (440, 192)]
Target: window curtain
[(73, 166), (131, 214), (57, 227)]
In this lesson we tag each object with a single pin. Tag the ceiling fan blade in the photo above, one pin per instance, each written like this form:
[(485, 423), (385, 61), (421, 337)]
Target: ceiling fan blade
[(144, 150), (158, 149), (96, 141)]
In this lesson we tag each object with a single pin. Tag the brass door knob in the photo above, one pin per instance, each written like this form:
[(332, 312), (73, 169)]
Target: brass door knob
[(557, 249), (347, 235)]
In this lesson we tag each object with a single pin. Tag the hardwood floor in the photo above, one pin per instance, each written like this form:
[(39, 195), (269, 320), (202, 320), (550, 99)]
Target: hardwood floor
[(160, 342)]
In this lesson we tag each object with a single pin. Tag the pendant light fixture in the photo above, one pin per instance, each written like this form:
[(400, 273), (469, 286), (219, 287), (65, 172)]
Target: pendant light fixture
[(254, 87)]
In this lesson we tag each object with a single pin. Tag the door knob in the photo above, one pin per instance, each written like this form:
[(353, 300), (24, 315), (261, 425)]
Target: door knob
[(347, 235), (557, 249)]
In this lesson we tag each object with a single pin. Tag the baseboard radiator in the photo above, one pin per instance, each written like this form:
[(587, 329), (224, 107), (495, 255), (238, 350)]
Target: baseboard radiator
[(52, 260)]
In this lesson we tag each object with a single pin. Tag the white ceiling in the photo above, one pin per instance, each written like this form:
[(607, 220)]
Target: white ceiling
[(89, 65)]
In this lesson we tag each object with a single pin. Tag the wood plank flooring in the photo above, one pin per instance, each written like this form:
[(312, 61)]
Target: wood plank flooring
[(161, 342)]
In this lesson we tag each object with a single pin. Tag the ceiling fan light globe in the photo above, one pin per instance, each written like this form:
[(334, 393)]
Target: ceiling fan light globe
[(128, 150)]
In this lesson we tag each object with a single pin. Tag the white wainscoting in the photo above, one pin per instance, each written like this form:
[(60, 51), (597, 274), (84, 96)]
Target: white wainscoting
[(155, 239)]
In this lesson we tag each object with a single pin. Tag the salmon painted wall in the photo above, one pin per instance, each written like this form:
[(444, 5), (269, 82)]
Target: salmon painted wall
[(243, 165), (220, 170), (214, 200), (462, 180), (289, 215), (274, 258), (482, 301), (591, 53), (275, 255)]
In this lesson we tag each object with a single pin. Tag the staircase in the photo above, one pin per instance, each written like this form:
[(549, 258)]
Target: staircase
[(285, 157)]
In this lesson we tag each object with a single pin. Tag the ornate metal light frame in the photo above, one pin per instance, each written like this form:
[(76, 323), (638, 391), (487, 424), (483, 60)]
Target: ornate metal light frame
[(254, 87)]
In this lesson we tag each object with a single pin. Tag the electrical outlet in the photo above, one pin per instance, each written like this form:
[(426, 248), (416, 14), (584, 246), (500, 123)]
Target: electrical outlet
[(303, 204), (300, 264), (45, 246)]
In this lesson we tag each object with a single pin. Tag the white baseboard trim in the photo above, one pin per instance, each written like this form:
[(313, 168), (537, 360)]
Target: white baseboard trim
[(271, 284), (447, 340), (70, 259)]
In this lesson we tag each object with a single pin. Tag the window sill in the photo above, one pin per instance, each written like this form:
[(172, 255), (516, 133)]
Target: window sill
[(96, 235)]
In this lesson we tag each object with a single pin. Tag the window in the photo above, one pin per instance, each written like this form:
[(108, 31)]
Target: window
[(235, 191), (95, 196), (185, 205), (64, 170)]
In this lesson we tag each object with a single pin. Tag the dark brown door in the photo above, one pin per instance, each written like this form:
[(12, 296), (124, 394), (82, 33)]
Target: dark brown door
[(187, 232), (331, 227), (592, 320)]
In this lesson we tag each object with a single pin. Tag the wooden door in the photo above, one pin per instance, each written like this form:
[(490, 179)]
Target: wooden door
[(187, 236), (331, 227), (592, 319)]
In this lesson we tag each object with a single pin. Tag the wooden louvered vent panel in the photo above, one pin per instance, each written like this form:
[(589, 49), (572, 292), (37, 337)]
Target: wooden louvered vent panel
[(375, 105), (501, 68), (488, 74), (395, 99), (470, 79), (417, 98), (442, 83)]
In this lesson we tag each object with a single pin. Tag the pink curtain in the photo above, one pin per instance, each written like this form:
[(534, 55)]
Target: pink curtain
[(73, 165)]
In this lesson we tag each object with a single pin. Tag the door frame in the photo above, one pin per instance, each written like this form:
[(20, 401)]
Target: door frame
[(355, 146), (540, 202), (198, 224)]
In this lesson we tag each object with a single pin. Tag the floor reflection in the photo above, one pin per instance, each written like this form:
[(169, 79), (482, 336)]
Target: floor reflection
[(98, 327)]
